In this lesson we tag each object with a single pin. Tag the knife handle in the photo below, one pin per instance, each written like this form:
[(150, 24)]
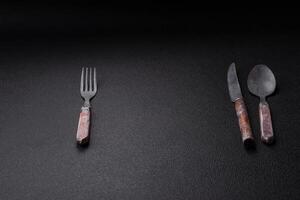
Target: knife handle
[(266, 127), (83, 129), (246, 132)]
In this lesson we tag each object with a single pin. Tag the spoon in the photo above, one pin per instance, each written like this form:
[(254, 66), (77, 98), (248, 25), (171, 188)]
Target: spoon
[(261, 82)]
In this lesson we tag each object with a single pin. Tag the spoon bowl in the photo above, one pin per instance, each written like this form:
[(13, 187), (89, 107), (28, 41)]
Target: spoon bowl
[(261, 81)]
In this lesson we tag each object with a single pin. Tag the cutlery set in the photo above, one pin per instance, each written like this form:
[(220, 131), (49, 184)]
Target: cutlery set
[(261, 82)]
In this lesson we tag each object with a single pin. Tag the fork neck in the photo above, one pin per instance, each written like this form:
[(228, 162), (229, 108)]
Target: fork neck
[(87, 103)]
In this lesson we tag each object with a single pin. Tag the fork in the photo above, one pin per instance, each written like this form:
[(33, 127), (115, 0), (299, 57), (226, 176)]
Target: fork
[(88, 89)]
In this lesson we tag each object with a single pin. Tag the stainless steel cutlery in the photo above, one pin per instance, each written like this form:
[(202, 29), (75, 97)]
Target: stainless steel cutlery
[(262, 83), (240, 106), (88, 90)]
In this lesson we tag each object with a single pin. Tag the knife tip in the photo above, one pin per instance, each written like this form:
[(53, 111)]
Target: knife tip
[(231, 68)]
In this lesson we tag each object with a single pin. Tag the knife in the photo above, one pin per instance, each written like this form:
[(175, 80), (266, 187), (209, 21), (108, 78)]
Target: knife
[(240, 107)]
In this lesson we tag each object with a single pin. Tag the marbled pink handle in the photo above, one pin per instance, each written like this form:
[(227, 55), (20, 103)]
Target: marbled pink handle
[(82, 136), (241, 112), (266, 128)]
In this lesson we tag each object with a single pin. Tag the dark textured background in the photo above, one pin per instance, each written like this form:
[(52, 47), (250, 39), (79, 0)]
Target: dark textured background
[(163, 124)]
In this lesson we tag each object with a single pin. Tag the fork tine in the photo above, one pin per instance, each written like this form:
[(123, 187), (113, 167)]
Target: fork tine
[(95, 80), (81, 81), (90, 80), (86, 79)]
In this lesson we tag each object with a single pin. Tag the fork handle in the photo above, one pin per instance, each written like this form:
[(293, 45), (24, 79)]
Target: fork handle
[(83, 129), (266, 127)]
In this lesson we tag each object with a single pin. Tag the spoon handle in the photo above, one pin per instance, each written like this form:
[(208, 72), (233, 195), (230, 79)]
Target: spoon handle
[(241, 112), (266, 128)]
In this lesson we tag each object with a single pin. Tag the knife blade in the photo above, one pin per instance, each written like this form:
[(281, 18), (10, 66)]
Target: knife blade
[(236, 97), (233, 84)]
